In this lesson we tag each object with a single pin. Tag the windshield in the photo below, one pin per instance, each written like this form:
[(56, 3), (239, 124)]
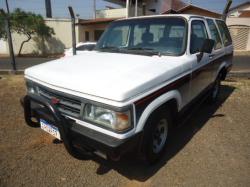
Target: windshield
[(166, 36)]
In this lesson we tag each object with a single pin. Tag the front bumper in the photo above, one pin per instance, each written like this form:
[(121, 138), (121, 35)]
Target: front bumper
[(72, 134)]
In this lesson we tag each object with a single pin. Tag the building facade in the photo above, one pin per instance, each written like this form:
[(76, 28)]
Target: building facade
[(37, 46), (238, 21)]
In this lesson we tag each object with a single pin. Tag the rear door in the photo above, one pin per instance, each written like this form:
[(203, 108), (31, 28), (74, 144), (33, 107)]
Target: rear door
[(216, 57), (227, 41), (225, 36)]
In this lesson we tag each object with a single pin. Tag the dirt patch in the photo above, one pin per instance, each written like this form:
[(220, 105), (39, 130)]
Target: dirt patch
[(210, 149)]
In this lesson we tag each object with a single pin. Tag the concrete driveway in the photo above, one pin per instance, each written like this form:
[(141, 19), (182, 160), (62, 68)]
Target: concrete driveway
[(22, 62)]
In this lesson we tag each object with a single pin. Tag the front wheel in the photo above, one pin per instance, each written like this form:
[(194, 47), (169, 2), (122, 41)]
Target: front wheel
[(156, 135)]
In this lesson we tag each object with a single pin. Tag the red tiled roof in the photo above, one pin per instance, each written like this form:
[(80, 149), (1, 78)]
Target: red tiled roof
[(96, 21), (178, 6), (174, 5), (201, 9), (245, 14)]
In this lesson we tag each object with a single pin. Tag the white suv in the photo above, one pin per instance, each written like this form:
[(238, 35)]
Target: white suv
[(127, 93)]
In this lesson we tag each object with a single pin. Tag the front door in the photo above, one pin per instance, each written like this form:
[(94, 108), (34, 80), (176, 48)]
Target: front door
[(201, 69)]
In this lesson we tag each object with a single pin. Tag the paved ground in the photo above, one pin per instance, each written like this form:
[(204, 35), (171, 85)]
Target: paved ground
[(22, 63), (211, 149), (241, 62)]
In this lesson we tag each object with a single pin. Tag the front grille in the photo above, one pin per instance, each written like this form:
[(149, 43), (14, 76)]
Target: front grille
[(67, 105)]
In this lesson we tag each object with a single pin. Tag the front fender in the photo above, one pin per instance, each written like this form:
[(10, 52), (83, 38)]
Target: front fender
[(159, 101)]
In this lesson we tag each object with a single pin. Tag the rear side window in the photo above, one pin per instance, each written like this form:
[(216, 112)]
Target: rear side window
[(214, 34), (226, 38), (198, 35)]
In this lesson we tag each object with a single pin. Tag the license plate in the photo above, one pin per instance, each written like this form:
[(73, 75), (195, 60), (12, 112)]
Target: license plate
[(51, 129)]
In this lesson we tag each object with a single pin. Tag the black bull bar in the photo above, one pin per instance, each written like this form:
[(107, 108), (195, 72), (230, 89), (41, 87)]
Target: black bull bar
[(58, 119)]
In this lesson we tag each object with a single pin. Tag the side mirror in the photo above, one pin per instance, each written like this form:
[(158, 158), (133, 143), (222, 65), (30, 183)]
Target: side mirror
[(207, 46)]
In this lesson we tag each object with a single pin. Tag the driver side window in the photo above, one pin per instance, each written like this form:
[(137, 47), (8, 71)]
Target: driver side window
[(198, 35), (119, 37)]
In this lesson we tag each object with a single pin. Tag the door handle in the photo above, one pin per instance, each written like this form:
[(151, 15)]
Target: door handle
[(211, 56)]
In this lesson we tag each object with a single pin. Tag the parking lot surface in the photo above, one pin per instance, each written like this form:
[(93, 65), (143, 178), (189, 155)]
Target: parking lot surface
[(211, 149)]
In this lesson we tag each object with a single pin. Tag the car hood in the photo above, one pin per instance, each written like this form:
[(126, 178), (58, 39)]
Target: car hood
[(112, 76)]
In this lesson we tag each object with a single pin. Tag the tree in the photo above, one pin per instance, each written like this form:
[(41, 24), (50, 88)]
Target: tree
[(26, 23), (3, 34)]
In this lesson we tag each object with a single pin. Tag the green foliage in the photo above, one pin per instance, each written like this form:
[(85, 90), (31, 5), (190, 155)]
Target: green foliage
[(2, 25), (29, 24), (25, 23)]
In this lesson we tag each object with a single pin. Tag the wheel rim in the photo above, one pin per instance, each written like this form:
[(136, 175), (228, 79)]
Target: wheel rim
[(216, 89), (160, 135)]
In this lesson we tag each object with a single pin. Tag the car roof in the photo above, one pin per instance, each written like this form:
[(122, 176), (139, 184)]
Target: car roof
[(186, 16)]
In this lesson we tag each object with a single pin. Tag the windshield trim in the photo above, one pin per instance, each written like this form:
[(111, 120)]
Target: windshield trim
[(151, 18)]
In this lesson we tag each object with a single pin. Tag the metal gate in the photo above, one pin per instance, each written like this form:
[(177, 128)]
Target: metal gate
[(240, 34)]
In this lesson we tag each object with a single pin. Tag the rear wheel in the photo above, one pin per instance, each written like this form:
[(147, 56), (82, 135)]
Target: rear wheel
[(156, 133)]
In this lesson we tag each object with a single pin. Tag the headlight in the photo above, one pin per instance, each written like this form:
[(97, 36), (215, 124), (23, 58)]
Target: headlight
[(118, 121)]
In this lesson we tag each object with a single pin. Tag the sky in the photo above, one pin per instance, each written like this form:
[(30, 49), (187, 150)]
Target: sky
[(85, 7)]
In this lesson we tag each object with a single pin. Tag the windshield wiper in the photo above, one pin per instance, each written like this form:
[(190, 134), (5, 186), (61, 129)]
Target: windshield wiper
[(140, 48), (133, 50), (110, 48), (144, 50)]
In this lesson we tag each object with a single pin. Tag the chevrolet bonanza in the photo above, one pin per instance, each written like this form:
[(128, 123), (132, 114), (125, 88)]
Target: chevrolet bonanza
[(127, 94)]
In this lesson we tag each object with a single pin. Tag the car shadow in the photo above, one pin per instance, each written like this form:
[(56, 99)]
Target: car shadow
[(137, 169)]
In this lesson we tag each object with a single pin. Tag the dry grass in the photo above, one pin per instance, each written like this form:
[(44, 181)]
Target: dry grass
[(212, 149)]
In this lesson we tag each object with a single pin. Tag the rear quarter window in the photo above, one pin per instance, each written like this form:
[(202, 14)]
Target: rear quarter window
[(225, 34)]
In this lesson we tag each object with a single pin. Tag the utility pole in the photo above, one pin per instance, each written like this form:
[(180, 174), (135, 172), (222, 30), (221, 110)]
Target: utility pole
[(11, 51), (48, 8), (226, 9), (127, 8), (136, 8), (94, 8), (73, 29)]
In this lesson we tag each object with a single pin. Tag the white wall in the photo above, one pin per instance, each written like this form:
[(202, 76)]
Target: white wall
[(120, 13), (3, 47), (238, 21), (61, 40), (234, 21), (111, 13)]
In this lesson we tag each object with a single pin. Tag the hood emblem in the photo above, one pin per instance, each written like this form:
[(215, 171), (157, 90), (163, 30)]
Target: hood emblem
[(55, 100)]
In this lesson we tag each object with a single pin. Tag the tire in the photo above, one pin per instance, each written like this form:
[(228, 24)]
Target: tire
[(156, 134), (215, 91)]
